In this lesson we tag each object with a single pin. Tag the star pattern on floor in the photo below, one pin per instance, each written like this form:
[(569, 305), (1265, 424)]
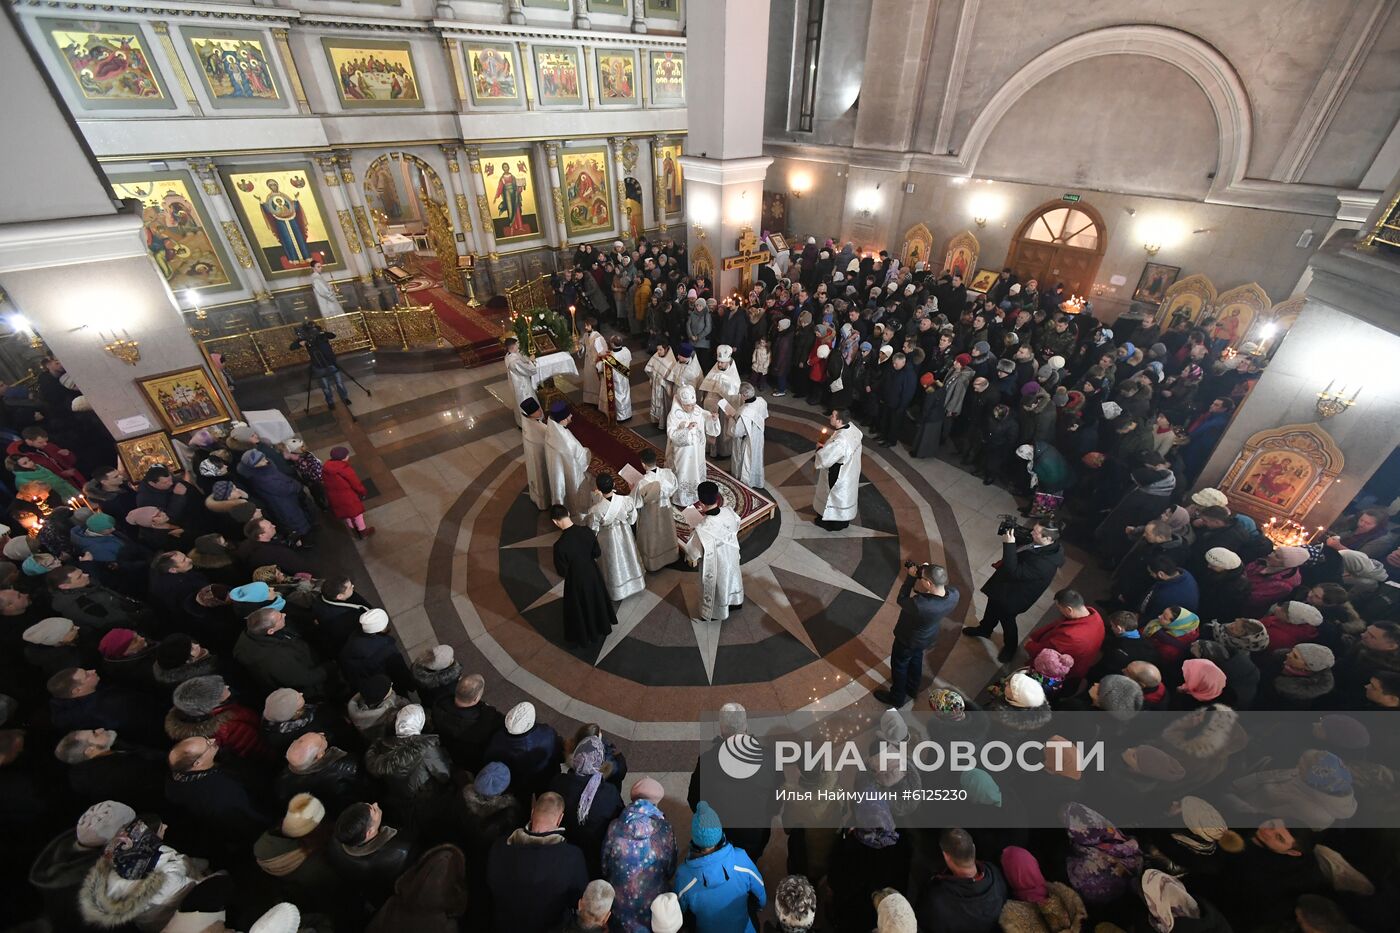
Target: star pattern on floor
[(804, 560)]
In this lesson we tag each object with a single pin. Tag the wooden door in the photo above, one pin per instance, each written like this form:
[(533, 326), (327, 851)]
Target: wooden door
[(1059, 242)]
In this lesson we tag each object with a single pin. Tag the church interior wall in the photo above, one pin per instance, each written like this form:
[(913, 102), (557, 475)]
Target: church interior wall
[(844, 31)]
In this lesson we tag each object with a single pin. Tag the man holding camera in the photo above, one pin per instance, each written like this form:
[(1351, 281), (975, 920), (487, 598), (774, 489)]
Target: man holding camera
[(324, 366), (925, 600), (1022, 574)]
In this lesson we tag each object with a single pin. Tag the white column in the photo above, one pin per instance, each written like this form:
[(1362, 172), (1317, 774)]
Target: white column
[(356, 265), (725, 165)]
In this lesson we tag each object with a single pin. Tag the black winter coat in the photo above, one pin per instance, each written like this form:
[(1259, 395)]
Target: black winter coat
[(465, 731), (1023, 575), (364, 656)]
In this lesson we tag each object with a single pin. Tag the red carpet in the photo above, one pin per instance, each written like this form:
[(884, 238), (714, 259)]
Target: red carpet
[(481, 328)]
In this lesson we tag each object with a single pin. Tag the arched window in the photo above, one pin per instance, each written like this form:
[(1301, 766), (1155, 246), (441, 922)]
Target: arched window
[(1059, 243)]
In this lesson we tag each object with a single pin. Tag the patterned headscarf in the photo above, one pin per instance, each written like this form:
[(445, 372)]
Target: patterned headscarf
[(875, 824), (1102, 860), (135, 849), (587, 761), (948, 704), (1255, 637), (1183, 623)]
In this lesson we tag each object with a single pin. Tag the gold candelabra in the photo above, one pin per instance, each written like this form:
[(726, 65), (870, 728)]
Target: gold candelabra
[(1330, 404), (123, 348), (1288, 533)]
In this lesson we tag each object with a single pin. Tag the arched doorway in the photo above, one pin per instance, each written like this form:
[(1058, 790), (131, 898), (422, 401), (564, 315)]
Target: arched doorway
[(1059, 242), (405, 195)]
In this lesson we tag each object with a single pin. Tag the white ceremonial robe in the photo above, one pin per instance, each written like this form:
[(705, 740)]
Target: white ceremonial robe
[(838, 503), (715, 547), (747, 465), (594, 347), (721, 384), (524, 376), (621, 382), (685, 450), (568, 471), (687, 374), (534, 436), (656, 521), (659, 370), (327, 301), (611, 520)]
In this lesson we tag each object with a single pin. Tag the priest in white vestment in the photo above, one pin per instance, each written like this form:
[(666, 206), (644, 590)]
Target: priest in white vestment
[(323, 290), (721, 383), (659, 372), (656, 520), (568, 464), (534, 436), (838, 474), (594, 346), (749, 421), (714, 546), (685, 371), (522, 373), (686, 430), (615, 381), (611, 519)]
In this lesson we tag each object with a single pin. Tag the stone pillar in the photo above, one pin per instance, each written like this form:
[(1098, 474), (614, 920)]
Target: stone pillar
[(464, 214), (247, 271), (359, 209), (84, 282), (639, 16), (1347, 334), (162, 29), (484, 240), (515, 14), (581, 20), (358, 285), (289, 64), (560, 237), (724, 172)]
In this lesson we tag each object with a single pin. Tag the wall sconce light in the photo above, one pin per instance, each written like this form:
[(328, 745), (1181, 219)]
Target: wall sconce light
[(866, 203), (1157, 232), (192, 296), (799, 183), (980, 221), (699, 229), (123, 347), (1330, 404), (984, 207), (1152, 249)]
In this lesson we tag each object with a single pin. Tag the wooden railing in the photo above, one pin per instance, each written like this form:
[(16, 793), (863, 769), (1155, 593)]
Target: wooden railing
[(263, 352)]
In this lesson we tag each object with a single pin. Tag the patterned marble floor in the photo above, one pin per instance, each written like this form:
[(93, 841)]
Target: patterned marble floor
[(462, 557)]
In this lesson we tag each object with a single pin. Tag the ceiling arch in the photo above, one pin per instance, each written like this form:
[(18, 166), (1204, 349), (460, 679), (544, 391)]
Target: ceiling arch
[(1205, 65)]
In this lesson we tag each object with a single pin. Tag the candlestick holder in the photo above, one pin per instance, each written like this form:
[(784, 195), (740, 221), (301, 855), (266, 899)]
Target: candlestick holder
[(124, 349), (1330, 404)]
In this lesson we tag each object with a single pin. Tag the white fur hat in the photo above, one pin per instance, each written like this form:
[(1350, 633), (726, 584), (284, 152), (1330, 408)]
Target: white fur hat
[(374, 621), (284, 918), (823, 351), (666, 916), (521, 718), (410, 720)]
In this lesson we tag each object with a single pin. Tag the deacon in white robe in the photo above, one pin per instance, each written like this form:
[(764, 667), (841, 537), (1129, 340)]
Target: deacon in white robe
[(534, 436), (611, 518), (656, 520), (659, 372), (615, 370), (838, 474), (568, 464), (685, 371), (714, 546), (722, 382), (747, 465), (593, 346), (323, 290), (522, 373), (686, 430)]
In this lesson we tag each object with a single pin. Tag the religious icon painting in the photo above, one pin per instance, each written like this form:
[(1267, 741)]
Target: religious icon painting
[(139, 454), (1153, 283), (617, 78), (632, 204), (983, 280), (373, 73), (668, 79), (670, 184), (510, 189), (184, 400), (493, 74), (663, 9), (587, 204), (235, 67), (176, 231), (108, 64), (557, 76), (282, 215)]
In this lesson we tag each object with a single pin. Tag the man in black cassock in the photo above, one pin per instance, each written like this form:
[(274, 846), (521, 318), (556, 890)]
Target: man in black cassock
[(588, 612)]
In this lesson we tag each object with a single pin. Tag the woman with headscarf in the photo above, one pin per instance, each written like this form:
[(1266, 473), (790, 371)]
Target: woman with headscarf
[(871, 855), (1102, 861), (804, 343), (1241, 675), (138, 880), (1172, 909), (1304, 677), (1037, 906), (1173, 632), (1273, 577), (1292, 623), (590, 803), (817, 358), (639, 858), (928, 417), (1362, 574), (1202, 682)]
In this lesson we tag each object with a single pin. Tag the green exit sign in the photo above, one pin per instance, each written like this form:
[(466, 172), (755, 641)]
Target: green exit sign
[(1071, 198)]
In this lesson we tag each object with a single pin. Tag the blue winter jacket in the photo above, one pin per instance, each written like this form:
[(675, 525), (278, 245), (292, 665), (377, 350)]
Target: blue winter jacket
[(714, 889)]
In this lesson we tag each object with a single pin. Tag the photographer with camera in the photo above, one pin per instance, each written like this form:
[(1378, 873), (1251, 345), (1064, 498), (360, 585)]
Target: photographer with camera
[(925, 600), (1021, 576), (324, 366)]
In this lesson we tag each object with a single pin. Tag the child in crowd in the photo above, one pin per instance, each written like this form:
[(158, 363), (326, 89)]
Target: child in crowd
[(761, 361), (345, 492)]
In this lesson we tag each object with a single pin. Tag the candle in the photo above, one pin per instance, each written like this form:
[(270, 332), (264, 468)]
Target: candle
[(1329, 387)]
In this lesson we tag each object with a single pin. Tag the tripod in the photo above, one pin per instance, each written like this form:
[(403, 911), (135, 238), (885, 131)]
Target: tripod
[(311, 378)]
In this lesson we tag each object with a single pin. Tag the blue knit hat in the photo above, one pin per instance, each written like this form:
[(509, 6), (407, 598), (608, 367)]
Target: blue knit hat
[(493, 780), (706, 831), (253, 596)]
